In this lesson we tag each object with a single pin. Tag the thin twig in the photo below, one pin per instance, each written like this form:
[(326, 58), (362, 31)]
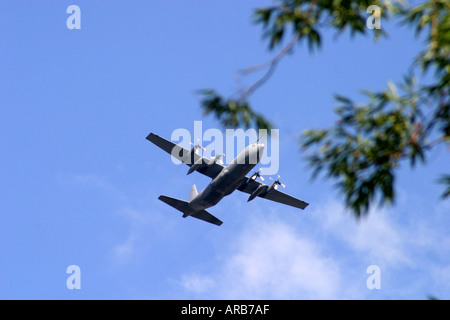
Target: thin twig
[(271, 65)]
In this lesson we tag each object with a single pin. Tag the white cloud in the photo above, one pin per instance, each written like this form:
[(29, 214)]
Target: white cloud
[(271, 261), (376, 236), (144, 228), (125, 251), (197, 283), (326, 255), (275, 261)]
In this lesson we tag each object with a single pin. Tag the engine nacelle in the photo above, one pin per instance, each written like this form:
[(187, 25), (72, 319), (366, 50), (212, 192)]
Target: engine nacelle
[(200, 164), (262, 188), (196, 166)]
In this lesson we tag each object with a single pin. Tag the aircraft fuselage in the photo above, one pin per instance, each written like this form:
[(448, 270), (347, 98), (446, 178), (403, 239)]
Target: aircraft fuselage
[(229, 178)]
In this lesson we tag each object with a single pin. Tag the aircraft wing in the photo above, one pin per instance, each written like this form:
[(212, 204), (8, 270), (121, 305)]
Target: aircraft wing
[(186, 156), (274, 195)]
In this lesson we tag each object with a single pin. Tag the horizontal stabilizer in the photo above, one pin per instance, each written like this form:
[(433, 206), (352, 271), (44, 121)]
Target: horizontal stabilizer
[(183, 206), (206, 216)]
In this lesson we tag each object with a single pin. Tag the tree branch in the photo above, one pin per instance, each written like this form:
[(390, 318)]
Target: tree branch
[(271, 65)]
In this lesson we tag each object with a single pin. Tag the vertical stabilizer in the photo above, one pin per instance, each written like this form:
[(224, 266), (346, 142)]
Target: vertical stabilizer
[(193, 193)]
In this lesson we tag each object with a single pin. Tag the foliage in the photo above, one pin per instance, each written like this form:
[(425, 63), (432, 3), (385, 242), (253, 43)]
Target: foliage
[(232, 113)]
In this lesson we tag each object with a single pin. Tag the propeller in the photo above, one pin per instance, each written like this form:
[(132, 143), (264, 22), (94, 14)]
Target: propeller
[(218, 158), (257, 175), (277, 182), (197, 146)]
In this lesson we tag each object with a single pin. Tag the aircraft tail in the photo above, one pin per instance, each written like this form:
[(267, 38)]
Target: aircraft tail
[(184, 207), (193, 193)]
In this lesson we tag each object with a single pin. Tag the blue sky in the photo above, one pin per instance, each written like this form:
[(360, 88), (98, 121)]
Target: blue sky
[(80, 183)]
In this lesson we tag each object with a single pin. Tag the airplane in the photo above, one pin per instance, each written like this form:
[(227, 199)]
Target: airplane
[(225, 180)]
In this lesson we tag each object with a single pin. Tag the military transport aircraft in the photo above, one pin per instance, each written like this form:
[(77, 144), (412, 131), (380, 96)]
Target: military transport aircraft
[(225, 180)]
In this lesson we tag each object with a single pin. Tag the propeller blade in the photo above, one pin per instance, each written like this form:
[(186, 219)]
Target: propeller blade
[(277, 182), (281, 184), (197, 145), (219, 155)]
